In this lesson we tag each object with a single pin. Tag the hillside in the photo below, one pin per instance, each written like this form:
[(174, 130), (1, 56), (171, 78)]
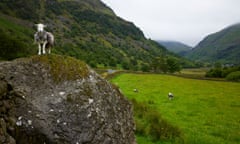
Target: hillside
[(85, 29), (176, 47), (222, 46)]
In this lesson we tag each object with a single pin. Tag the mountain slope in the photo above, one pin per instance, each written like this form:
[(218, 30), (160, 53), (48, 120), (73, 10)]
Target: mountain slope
[(85, 29), (176, 47), (222, 46)]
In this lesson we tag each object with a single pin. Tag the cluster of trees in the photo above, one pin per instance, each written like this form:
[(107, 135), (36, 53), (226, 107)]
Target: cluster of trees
[(166, 64), (231, 73)]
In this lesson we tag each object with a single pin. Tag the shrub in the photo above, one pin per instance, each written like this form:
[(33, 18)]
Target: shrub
[(216, 73), (222, 72), (228, 70), (234, 76), (160, 129), (149, 123)]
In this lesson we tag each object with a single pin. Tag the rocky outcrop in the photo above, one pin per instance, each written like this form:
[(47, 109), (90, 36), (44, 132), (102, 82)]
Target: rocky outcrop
[(53, 99)]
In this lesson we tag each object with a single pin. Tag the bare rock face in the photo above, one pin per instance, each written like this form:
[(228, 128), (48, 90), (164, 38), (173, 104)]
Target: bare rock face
[(54, 99)]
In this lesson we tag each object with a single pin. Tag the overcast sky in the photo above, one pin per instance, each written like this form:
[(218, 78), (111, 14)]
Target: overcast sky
[(187, 21)]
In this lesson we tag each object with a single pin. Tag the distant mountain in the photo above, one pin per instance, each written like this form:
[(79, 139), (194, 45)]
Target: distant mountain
[(222, 46), (85, 29), (176, 47)]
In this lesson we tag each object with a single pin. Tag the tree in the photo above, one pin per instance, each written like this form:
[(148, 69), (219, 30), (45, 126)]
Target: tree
[(145, 67), (173, 65), (155, 64), (216, 71), (112, 63), (163, 64), (166, 64), (159, 64), (234, 76), (125, 64)]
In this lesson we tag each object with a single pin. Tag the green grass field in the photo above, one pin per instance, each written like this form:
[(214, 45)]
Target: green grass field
[(207, 112)]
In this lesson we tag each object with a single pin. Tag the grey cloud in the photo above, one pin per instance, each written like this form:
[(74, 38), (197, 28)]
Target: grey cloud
[(187, 21)]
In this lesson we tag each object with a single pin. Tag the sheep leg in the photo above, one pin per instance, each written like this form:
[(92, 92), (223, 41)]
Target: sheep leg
[(49, 50), (39, 49), (44, 47)]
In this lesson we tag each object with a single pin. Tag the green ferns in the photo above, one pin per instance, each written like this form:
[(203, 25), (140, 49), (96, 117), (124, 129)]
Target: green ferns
[(63, 67)]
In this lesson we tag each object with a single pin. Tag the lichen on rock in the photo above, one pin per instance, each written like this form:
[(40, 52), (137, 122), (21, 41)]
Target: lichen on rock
[(57, 99)]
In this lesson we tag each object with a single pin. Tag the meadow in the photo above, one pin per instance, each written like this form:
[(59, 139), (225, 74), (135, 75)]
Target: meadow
[(206, 112)]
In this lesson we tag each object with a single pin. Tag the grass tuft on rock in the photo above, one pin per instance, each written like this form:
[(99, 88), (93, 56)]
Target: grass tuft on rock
[(63, 67)]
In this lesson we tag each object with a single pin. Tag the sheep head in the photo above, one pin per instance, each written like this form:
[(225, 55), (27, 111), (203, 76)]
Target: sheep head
[(40, 27)]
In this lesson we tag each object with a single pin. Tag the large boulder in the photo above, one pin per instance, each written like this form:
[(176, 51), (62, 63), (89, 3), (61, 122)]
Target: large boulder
[(55, 99)]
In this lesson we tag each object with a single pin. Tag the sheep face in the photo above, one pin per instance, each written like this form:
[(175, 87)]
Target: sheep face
[(40, 27)]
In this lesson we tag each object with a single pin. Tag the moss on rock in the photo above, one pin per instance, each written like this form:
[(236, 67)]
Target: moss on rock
[(63, 67)]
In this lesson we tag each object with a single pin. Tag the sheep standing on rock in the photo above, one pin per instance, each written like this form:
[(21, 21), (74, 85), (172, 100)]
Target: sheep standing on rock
[(44, 39)]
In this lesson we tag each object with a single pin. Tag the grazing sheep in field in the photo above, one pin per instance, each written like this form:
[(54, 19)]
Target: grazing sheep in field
[(44, 39), (170, 96), (135, 90)]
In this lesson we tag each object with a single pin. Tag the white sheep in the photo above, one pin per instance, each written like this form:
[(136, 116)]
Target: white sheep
[(170, 96), (44, 39)]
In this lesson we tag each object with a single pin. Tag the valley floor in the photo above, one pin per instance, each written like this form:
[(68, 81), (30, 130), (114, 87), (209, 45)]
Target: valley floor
[(207, 112)]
